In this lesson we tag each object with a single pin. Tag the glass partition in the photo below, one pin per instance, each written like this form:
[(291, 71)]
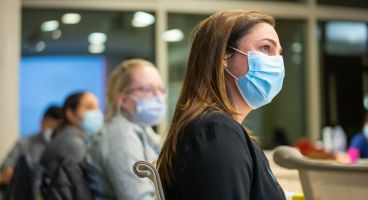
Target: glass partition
[(69, 50), (344, 74)]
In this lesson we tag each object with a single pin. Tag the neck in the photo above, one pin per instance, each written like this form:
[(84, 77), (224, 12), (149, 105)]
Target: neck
[(78, 129), (241, 107), (243, 112)]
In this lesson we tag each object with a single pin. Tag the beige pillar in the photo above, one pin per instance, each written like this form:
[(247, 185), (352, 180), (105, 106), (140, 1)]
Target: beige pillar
[(313, 76), (10, 12)]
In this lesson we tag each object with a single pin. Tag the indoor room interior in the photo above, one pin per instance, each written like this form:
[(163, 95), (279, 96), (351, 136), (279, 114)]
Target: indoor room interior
[(50, 48)]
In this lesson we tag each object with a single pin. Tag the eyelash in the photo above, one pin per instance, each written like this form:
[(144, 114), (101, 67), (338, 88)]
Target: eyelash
[(265, 46)]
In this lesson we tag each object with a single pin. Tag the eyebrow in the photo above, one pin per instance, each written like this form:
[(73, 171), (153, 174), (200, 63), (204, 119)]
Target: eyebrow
[(273, 42)]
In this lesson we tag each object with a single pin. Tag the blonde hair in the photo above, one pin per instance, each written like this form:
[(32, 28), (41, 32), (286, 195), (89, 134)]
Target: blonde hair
[(119, 81), (205, 88)]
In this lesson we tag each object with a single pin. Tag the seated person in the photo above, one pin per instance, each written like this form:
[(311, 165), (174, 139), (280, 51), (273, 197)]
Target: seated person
[(81, 118), (136, 99), (358, 147), (34, 144)]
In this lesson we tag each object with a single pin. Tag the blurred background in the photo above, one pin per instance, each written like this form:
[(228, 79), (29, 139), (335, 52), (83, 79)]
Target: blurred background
[(51, 48)]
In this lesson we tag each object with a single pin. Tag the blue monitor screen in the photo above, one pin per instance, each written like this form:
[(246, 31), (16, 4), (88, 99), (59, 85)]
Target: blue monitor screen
[(48, 80)]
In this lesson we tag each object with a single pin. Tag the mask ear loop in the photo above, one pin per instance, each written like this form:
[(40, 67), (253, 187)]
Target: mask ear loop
[(235, 49), (228, 71)]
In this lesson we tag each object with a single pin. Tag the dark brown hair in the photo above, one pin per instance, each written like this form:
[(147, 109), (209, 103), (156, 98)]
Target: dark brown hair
[(71, 102)]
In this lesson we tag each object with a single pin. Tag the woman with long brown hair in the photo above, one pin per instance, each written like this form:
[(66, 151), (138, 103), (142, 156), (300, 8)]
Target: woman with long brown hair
[(234, 67)]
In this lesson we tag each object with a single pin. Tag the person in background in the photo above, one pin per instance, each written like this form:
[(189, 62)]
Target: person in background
[(82, 117), (358, 147), (136, 101), (234, 67), (34, 145)]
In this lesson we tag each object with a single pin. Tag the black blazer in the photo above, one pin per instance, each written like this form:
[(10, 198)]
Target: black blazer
[(216, 160)]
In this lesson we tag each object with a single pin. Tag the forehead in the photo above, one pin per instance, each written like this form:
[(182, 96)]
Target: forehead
[(145, 76), (260, 32), (88, 98)]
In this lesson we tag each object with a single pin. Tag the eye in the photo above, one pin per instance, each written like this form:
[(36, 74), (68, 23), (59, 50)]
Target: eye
[(265, 48)]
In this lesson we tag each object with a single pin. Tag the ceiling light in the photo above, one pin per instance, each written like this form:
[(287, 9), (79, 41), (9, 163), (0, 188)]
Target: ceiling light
[(142, 19), (297, 47), (97, 38), (173, 35), (50, 25), (71, 18), (346, 32), (40, 46), (96, 48), (56, 34)]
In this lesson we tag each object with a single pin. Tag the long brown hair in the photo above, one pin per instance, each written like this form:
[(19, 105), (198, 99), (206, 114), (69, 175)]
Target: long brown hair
[(205, 87)]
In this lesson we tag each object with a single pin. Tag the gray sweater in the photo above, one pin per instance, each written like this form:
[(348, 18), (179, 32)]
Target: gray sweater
[(111, 156), (34, 145)]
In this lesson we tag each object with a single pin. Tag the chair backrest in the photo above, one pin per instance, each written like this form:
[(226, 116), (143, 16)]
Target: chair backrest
[(145, 169), (326, 180)]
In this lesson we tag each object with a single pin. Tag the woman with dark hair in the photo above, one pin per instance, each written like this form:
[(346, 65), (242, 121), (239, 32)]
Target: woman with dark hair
[(234, 67), (81, 118)]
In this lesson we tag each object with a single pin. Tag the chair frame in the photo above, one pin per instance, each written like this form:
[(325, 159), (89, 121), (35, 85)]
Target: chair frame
[(145, 169), (325, 180)]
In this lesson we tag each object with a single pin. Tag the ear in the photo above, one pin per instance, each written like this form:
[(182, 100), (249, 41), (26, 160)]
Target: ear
[(71, 117), (226, 59)]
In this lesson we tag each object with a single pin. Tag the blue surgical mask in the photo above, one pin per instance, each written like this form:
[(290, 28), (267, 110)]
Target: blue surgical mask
[(264, 78), (92, 121), (47, 135), (150, 111)]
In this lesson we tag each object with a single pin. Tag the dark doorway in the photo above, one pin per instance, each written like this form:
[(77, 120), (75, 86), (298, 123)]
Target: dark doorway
[(344, 92), (344, 55)]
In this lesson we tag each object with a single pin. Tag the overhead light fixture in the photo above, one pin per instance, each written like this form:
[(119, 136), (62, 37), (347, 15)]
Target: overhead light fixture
[(96, 48), (173, 35), (346, 32), (71, 18), (50, 25), (56, 34), (97, 38), (297, 47), (142, 19), (40, 46)]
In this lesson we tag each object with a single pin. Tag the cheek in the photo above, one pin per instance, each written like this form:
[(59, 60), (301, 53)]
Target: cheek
[(239, 67), (128, 105), (79, 116)]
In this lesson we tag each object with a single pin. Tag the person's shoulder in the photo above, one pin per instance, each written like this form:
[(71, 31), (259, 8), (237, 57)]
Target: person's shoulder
[(214, 119), (360, 137), (26, 141), (118, 126), (214, 126)]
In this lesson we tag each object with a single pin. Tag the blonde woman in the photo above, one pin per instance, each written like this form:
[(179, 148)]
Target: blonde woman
[(234, 67), (137, 101)]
